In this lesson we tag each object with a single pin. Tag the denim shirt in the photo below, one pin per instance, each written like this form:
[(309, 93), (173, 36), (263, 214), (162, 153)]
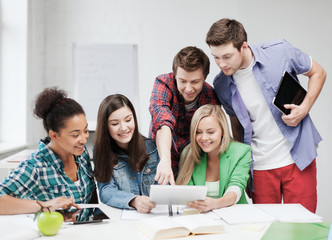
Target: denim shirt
[(271, 60), (126, 183)]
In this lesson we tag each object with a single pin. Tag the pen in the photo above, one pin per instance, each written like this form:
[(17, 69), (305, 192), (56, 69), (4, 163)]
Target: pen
[(170, 211), (177, 210)]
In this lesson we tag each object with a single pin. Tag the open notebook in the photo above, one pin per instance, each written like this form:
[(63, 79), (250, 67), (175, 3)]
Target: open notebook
[(170, 227), (259, 213)]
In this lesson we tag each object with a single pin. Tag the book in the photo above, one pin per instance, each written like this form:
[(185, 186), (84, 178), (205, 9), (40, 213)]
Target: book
[(260, 213), (181, 226), (294, 231)]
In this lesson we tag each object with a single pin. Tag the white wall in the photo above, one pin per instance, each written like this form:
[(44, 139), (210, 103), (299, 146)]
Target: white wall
[(13, 61), (161, 29)]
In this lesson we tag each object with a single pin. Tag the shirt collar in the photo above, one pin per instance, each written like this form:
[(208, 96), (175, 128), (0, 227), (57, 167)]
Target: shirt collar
[(48, 155)]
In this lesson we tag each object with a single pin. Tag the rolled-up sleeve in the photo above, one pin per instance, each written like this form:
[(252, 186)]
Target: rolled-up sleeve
[(160, 107), (110, 194)]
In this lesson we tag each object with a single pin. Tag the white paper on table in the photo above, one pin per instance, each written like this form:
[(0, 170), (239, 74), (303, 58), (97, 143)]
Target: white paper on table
[(19, 226), (290, 212), (159, 210), (260, 213), (244, 213)]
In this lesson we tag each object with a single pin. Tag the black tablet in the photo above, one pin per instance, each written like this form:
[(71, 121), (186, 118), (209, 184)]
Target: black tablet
[(289, 91), (83, 215)]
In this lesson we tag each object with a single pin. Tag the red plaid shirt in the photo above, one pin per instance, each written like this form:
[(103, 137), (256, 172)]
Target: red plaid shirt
[(167, 108)]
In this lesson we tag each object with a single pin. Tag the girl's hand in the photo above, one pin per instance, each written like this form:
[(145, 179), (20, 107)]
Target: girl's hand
[(60, 202), (142, 204), (204, 205)]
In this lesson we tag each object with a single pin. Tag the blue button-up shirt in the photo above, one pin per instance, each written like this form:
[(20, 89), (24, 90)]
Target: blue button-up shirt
[(271, 60)]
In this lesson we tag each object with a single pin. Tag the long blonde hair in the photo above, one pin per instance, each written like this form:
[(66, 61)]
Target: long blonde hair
[(192, 153)]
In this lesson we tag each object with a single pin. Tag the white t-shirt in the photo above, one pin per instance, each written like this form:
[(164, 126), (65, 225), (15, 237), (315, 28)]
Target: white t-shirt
[(213, 190), (270, 148)]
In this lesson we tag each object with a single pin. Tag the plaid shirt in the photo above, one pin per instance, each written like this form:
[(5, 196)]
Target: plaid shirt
[(167, 108), (42, 177)]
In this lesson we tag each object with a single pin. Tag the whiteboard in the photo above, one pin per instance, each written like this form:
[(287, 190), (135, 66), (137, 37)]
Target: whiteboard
[(102, 69)]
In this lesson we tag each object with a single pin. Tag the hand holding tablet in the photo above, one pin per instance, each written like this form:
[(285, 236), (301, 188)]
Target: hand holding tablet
[(289, 91)]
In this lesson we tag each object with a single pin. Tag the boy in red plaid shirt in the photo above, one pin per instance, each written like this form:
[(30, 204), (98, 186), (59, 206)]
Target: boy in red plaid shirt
[(174, 99)]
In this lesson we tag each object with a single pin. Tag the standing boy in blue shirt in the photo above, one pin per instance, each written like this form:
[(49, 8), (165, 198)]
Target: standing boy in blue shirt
[(283, 146)]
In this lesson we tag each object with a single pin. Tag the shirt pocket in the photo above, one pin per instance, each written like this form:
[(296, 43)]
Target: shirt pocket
[(58, 190), (122, 177), (149, 172)]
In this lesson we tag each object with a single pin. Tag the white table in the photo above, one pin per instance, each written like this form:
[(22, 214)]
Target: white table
[(122, 230), (22, 227)]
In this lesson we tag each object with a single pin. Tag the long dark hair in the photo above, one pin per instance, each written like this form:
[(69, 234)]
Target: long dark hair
[(106, 149), (54, 107)]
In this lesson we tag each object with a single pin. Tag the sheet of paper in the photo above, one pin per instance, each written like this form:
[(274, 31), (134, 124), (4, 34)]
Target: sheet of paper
[(260, 213), (159, 210), (18, 227), (244, 213), (290, 212)]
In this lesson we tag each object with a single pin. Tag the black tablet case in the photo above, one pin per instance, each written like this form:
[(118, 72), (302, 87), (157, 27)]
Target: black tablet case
[(289, 92)]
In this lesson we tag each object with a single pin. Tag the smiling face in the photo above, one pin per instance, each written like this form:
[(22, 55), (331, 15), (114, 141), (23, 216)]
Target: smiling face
[(72, 138), (209, 134), (229, 59), (121, 126), (189, 84)]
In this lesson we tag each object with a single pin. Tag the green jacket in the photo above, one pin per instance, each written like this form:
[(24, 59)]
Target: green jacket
[(234, 169)]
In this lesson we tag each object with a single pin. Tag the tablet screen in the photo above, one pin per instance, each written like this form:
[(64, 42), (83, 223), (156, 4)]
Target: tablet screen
[(289, 92), (176, 194), (83, 215)]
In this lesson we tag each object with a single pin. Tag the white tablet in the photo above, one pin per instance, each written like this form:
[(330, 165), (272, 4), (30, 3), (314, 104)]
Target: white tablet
[(176, 194)]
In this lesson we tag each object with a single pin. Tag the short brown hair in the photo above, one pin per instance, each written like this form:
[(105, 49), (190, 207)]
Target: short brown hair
[(225, 31), (190, 59)]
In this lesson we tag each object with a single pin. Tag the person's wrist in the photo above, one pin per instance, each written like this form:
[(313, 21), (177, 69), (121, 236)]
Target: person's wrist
[(132, 203), (42, 208), (164, 158)]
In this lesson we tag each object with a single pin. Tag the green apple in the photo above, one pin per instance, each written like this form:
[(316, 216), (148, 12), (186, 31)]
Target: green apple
[(49, 223)]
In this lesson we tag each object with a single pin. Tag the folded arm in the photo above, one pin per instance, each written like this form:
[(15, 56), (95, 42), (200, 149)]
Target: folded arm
[(317, 77)]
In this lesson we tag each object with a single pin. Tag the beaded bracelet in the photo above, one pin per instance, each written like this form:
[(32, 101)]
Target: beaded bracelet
[(41, 206)]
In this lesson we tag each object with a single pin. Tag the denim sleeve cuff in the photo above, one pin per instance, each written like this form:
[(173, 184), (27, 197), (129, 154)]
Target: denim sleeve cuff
[(121, 201), (129, 200)]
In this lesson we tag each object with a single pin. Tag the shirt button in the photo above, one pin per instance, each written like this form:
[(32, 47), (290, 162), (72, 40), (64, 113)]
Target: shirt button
[(148, 170)]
